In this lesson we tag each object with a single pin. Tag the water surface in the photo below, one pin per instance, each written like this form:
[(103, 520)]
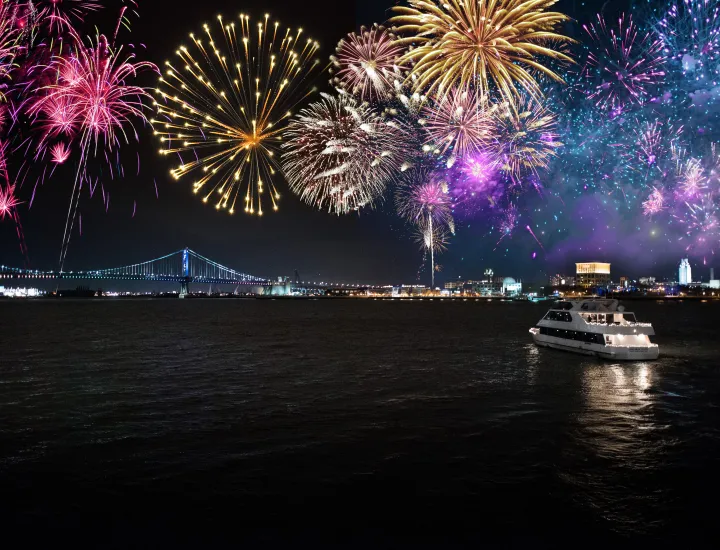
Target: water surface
[(129, 421)]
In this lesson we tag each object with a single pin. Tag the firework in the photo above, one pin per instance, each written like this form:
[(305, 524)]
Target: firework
[(8, 201), (692, 180), (434, 241), (476, 184), (460, 121), (92, 95), (690, 36), (366, 64), (423, 200), (340, 154), (60, 152), (655, 145), (455, 43), (655, 203), (526, 136), (224, 105), (620, 69), (61, 14), (8, 44)]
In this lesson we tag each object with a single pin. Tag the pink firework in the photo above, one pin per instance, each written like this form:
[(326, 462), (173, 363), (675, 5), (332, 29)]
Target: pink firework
[(93, 90), (655, 203), (692, 179), (92, 95), (59, 113), (366, 63), (57, 14), (459, 122), (8, 41), (477, 184), (60, 152), (8, 202), (425, 203)]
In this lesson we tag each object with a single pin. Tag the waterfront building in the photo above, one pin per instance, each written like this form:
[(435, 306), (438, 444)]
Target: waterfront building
[(647, 281), (9, 292), (714, 283), (684, 272), (562, 280), (592, 274), (511, 287)]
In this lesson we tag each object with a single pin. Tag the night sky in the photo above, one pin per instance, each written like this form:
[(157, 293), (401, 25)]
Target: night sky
[(372, 247)]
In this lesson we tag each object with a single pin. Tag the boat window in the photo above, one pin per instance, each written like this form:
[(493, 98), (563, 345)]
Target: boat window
[(563, 316), (630, 317)]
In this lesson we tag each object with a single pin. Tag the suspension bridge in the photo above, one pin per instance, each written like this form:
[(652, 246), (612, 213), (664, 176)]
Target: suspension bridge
[(183, 266)]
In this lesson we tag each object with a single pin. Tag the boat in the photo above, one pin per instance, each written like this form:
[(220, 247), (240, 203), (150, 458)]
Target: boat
[(596, 327)]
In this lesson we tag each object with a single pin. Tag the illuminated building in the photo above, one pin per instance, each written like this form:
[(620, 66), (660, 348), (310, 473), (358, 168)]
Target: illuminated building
[(511, 287), (685, 273), (562, 280), (714, 283), (592, 274)]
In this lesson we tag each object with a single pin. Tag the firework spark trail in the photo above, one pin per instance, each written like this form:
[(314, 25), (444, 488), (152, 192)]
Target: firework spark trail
[(535, 237), (339, 154), (366, 64), (486, 43), (228, 104)]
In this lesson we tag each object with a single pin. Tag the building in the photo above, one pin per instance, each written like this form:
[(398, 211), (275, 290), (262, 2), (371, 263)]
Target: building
[(511, 287), (455, 285), (647, 281), (592, 274), (685, 273), (562, 280), (714, 283)]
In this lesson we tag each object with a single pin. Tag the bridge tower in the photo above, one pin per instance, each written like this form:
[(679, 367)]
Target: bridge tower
[(185, 283)]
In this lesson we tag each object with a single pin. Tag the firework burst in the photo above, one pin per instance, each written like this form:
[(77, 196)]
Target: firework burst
[(477, 184), (433, 240), (621, 69), (454, 43), (690, 36), (339, 154), (224, 105), (423, 199), (366, 64), (8, 201), (92, 95), (60, 152), (525, 136), (460, 122), (655, 203)]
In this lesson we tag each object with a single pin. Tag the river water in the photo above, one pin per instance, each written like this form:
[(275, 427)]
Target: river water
[(350, 423)]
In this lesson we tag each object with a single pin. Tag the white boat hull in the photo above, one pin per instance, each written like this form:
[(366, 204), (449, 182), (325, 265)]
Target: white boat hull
[(617, 353)]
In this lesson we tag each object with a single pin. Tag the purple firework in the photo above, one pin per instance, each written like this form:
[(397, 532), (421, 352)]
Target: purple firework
[(621, 69)]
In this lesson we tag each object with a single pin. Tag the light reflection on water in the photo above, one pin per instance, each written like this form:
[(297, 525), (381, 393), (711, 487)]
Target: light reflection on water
[(618, 450)]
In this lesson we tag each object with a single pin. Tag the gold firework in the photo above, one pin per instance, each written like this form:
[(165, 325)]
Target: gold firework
[(222, 108), (458, 43), (526, 136)]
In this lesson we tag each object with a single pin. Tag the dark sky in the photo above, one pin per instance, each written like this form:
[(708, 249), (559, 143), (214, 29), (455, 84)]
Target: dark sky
[(373, 247)]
